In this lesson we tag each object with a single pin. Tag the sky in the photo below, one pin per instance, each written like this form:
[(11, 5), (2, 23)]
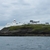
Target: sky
[(24, 10)]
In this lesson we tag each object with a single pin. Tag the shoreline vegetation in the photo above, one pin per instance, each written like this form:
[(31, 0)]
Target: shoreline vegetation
[(26, 30)]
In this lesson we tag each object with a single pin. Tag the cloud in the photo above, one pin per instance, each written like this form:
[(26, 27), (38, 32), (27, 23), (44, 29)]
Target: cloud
[(24, 10)]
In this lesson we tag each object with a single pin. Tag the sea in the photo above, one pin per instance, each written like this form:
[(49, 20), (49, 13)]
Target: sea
[(24, 43)]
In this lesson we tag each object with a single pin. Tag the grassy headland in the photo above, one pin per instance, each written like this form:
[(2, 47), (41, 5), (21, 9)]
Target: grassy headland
[(27, 30)]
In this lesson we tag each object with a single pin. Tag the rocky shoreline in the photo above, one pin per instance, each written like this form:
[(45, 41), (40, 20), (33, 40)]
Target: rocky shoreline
[(23, 32)]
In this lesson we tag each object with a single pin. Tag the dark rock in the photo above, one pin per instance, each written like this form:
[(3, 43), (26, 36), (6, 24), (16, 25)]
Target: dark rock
[(23, 32)]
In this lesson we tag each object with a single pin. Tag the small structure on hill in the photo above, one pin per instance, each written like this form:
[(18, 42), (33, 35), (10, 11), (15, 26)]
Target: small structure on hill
[(14, 23), (34, 22), (47, 23)]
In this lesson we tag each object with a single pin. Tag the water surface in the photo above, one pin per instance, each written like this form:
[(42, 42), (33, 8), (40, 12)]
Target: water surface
[(25, 43)]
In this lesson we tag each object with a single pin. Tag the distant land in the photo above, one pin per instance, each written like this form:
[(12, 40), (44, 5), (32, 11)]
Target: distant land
[(26, 30)]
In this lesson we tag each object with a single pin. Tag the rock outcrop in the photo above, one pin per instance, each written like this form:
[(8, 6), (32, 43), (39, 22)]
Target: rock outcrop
[(23, 32)]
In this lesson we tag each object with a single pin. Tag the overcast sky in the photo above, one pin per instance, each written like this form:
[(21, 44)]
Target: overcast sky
[(24, 10)]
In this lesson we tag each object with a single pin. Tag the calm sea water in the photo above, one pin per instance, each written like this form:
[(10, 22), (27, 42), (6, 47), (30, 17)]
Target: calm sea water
[(25, 43)]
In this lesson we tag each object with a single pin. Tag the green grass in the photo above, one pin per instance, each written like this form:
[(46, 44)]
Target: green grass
[(40, 27)]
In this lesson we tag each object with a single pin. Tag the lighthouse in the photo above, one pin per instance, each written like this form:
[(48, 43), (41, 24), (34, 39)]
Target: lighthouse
[(14, 22), (11, 24)]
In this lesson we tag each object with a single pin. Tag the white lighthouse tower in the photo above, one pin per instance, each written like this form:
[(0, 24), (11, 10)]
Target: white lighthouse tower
[(11, 24), (14, 23)]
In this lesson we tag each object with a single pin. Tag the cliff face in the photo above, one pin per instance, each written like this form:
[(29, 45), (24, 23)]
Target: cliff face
[(18, 32), (23, 32), (26, 30)]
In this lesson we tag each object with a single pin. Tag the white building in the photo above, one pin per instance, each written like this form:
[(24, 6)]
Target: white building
[(13, 24)]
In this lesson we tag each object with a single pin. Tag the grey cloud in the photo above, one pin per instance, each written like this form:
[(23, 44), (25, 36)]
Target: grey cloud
[(20, 2), (22, 11)]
